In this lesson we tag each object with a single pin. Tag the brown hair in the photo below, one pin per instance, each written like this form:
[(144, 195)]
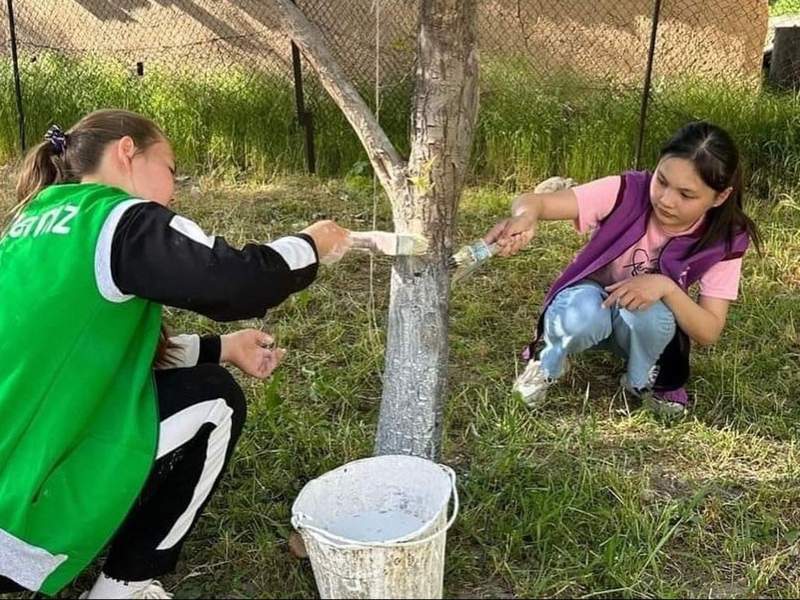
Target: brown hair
[(165, 351), (67, 157), (79, 150)]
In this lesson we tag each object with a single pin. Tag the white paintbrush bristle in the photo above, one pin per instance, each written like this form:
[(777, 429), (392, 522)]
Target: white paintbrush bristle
[(411, 244)]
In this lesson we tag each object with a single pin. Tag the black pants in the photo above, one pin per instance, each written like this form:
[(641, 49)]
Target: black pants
[(202, 412)]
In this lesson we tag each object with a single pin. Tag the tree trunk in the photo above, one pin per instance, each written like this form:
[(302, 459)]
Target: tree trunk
[(445, 110), (424, 194)]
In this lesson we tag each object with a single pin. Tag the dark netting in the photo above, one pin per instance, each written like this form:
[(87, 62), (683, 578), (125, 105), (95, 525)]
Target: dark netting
[(218, 74)]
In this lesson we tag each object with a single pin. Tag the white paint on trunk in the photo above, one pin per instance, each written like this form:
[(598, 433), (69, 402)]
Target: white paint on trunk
[(424, 194), (416, 360), (445, 109)]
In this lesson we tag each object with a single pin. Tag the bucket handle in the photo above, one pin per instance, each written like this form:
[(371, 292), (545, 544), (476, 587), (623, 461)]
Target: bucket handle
[(297, 523)]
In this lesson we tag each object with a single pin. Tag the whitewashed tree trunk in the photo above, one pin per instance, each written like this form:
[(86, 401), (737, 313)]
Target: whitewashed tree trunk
[(424, 194), (445, 108)]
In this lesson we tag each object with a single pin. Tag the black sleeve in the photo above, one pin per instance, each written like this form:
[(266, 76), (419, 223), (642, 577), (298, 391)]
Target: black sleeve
[(210, 349), (158, 255)]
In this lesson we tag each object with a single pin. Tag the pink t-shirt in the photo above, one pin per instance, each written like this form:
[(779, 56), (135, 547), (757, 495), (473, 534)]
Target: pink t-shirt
[(596, 200)]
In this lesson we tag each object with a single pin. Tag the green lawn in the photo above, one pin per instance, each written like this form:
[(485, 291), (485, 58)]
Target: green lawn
[(584, 497)]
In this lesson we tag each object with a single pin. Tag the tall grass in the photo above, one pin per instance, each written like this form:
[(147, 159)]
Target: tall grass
[(215, 122), (529, 132), (236, 123), (230, 124)]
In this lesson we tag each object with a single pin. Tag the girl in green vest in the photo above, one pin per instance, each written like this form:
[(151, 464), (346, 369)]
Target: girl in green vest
[(98, 447)]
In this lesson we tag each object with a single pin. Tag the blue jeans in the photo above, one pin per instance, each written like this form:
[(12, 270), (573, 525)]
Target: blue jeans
[(576, 321)]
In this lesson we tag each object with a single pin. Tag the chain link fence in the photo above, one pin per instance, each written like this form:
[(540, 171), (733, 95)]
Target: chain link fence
[(220, 78)]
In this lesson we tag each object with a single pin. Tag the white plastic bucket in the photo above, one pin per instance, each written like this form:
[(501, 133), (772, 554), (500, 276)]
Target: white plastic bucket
[(376, 528)]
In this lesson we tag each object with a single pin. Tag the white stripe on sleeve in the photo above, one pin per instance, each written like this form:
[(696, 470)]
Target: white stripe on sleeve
[(191, 230), (102, 255), (296, 251), (184, 351)]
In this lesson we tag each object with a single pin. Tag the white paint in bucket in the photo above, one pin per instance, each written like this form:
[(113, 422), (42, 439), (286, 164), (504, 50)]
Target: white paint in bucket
[(376, 525)]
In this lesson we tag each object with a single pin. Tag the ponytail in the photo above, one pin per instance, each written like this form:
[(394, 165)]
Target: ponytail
[(43, 166), (69, 156)]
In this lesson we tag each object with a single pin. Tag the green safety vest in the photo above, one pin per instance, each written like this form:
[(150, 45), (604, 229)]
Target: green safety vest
[(78, 412)]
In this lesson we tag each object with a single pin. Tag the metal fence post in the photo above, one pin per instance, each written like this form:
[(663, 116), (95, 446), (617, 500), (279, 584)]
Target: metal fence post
[(648, 79), (304, 117), (17, 84)]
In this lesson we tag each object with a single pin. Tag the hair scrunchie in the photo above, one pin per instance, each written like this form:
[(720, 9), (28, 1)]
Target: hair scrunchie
[(57, 138)]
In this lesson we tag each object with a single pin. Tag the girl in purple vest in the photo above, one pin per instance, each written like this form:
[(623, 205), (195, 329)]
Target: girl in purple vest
[(654, 236)]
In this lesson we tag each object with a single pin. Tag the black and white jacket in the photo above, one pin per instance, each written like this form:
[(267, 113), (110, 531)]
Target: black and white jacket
[(146, 250)]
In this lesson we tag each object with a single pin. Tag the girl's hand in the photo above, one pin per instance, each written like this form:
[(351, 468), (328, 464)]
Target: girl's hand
[(513, 234), (252, 352), (332, 241), (640, 292)]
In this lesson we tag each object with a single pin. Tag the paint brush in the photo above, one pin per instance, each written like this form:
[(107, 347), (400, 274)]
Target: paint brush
[(390, 244), (469, 258)]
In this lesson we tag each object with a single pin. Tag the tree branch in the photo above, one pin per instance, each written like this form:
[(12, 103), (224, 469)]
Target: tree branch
[(389, 166)]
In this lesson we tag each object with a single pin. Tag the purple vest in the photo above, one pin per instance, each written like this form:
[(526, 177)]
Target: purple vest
[(625, 225)]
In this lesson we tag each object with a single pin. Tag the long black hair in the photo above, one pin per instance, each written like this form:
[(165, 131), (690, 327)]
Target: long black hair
[(716, 159)]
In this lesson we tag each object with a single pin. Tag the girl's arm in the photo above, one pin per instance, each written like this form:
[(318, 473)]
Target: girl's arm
[(250, 350), (190, 350), (158, 255), (703, 321), (552, 206), (513, 234)]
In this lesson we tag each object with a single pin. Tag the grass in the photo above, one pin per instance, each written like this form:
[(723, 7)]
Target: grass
[(240, 125), (585, 132), (783, 7), (584, 497), (232, 125)]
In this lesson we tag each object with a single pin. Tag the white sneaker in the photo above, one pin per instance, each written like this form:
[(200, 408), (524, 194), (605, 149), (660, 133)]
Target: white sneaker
[(153, 590), (533, 383)]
